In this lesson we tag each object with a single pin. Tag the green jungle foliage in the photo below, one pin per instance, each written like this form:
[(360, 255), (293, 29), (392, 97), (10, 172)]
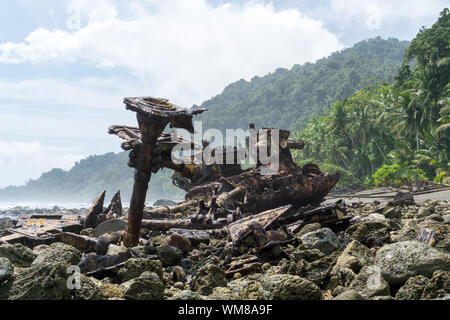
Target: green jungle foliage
[(403, 127), (289, 98)]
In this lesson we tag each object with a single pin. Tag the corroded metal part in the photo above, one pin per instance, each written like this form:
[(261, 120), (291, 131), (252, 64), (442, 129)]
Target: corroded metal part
[(240, 229), (246, 268), (82, 243), (93, 217), (103, 265), (195, 236), (153, 115), (162, 108)]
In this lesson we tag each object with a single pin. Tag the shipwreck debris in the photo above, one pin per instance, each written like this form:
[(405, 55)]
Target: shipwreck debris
[(153, 115)]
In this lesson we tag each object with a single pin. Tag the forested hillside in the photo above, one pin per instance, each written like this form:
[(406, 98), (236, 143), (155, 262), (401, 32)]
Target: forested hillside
[(87, 179), (288, 98), (391, 134)]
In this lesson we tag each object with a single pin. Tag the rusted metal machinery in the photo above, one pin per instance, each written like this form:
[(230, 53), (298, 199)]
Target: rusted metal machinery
[(222, 193), (153, 115)]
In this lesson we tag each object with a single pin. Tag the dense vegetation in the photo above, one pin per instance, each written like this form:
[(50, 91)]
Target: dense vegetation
[(395, 133), (87, 179), (288, 98)]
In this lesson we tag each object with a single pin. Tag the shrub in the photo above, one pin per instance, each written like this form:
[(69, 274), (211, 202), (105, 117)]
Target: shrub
[(392, 175)]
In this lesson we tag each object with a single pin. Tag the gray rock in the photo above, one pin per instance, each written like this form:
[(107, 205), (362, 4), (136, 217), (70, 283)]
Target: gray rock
[(370, 233), (340, 277), (134, 268), (309, 228), (147, 287), (169, 256), (41, 282), (247, 289), (392, 212), (6, 269), (114, 250), (58, 252), (88, 289), (40, 248), (370, 283), (438, 286), (446, 218), (207, 278), (354, 257), (425, 211), (87, 232), (290, 287), (309, 255), (402, 260), (349, 295), (435, 217), (412, 289), (18, 254), (323, 239), (186, 295), (318, 270), (178, 285)]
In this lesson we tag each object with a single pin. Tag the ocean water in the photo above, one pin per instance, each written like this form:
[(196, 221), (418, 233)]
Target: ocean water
[(43, 205)]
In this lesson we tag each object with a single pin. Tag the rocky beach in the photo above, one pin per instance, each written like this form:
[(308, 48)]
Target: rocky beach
[(399, 250)]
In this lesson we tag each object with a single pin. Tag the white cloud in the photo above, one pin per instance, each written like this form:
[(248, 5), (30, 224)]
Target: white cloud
[(184, 50), (347, 12), (82, 93), (20, 161)]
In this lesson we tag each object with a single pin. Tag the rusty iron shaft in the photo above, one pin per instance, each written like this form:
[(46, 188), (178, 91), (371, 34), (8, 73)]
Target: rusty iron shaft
[(150, 128)]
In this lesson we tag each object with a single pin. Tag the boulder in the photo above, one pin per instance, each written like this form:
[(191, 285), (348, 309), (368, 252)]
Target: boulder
[(340, 277), (109, 290), (88, 290), (114, 250), (438, 286), (147, 287), (186, 295), (18, 254), (349, 295), (318, 270), (322, 239), (133, 268), (425, 211), (412, 289), (169, 256), (247, 289), (207, 278), (370, 283), (46, 281), (87, 232), (309, 228), (309, 255), (180, 242), (6, 269), (392, 212), (354, 257), (373, 233), (290, 287), (58, 252), (402, 260)]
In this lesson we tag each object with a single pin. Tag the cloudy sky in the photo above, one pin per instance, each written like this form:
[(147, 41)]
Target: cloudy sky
[(66, 65)]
